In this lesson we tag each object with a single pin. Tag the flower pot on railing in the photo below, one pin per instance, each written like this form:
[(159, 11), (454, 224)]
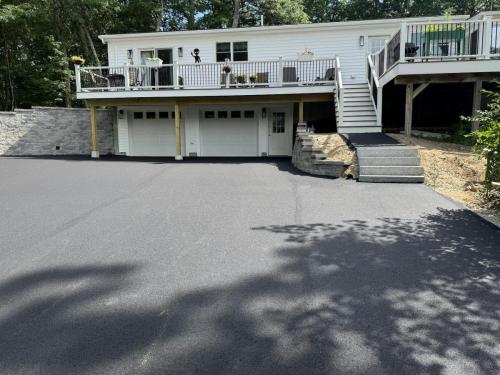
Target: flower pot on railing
[(77, 60), (154, 62)]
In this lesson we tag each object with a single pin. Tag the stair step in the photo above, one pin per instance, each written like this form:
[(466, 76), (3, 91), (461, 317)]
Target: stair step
[(386, 151), (318, 156), (390, 161), (359, 129), (359, 109), (402, 179), (359, 123), (356, 95), (355, 117), (364, 99), (351, 85), (392, 170)]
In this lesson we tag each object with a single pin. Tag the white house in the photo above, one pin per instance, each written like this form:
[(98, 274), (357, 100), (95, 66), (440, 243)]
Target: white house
[(240, 92)]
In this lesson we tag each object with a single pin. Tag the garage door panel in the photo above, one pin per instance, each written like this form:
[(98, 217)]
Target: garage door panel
[(229, 137), (152, 138)]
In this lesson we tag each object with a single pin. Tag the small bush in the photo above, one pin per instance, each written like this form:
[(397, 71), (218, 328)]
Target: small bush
[(487, 143)]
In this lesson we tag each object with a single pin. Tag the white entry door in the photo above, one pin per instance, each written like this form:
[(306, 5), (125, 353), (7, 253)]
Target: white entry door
[(279, 133)]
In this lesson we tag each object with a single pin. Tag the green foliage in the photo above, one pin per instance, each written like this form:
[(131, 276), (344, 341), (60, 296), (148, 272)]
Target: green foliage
[(38, 37), (487, 140)]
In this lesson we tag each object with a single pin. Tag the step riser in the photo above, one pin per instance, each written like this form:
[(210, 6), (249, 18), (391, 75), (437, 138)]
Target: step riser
[(390, 161), (400, 179), (359, 129), (387, 152), (392, 171)]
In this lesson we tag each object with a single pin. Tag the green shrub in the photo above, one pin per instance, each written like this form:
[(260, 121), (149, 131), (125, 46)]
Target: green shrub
[(487, 141)]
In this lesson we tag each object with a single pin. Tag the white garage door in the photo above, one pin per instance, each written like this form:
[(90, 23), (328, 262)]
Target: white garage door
[(152, 133), (229, 132)]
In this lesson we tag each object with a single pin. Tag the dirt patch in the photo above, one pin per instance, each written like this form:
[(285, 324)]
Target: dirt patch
[(452, 170), (335, 148)]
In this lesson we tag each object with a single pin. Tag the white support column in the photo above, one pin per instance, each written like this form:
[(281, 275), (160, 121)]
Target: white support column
[(476, 102), (178, 150), (408, 109), (380, 97), (487, 37), (93, 130), (280, 71), (78, 78), (385, 56), (402, 42), (127, 77), (176, 74)]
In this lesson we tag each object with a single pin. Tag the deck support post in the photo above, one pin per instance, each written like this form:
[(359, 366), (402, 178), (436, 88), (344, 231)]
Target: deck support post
[(178, 152), (408, 109), (301, 111), (93, 128), (476, 102)]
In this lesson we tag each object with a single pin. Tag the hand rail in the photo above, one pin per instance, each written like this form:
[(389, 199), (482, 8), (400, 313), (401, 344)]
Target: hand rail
[(374, 87), (340, 90), (240, 74)]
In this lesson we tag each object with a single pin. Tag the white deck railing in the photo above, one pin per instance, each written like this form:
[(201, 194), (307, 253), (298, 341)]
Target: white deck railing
[(248, 74), (440, 41)]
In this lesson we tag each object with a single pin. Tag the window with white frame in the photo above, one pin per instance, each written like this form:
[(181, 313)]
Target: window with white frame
[(233, 51)]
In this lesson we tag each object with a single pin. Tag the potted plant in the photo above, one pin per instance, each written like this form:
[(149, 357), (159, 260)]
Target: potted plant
[(78, 60), (241, 79), (253, 79), (154, 62), (181, 82), (226, 68)]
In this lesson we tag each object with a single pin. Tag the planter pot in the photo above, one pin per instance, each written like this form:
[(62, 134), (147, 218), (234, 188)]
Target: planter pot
[(156, 63)]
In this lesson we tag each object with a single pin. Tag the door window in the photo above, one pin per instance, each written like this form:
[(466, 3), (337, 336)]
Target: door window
[(278, 122)]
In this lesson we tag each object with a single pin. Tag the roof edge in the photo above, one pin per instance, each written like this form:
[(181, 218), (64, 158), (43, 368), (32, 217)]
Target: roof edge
[(307, 26)]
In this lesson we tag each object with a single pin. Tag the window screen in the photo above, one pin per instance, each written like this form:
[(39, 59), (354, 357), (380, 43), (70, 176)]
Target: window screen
[(223, 51), (240, 51)]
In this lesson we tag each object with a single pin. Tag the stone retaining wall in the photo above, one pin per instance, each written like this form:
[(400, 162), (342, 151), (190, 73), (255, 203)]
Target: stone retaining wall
[(311, 160), (54, 131)]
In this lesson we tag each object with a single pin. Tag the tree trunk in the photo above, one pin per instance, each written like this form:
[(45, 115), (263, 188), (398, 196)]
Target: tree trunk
[(236, 13), (91, 44)]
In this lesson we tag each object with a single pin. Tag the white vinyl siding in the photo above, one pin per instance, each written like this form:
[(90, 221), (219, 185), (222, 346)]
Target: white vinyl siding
[(266, 46)]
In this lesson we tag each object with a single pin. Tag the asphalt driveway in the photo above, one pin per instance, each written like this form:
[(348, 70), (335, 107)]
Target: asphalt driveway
[(152, 267)]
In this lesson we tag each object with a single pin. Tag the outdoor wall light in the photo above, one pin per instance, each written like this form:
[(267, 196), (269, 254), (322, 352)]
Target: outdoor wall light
[(361, 40), (121, 114), (180, 52), (264, 112)]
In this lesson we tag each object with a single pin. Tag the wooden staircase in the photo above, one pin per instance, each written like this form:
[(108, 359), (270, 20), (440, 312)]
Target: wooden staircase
[(358, 111)]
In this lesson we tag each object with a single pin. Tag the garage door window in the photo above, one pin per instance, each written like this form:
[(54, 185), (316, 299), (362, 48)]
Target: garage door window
[(249, 114), (235, 114), (138, 115), (163, 114), (209, 114), (278, 122), (151, 115), (222, 114)]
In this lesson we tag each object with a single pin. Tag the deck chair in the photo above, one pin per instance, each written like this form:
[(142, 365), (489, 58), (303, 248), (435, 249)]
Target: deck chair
[(330, 74), (290, 74), (262, 77)]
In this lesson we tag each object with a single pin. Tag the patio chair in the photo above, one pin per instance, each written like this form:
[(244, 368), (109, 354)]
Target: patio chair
[(262, 77), (411, 49), (330, 74), (290, 74)]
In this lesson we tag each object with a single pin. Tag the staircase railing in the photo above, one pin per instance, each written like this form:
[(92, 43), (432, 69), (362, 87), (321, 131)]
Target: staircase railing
[(339, 90), (374, 87)]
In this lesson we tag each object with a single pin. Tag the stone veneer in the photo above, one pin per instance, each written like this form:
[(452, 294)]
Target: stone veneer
[(41, 130), (311, 160)]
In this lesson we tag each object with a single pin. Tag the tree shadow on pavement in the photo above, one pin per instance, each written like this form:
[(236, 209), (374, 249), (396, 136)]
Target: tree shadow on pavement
[(388, 297)]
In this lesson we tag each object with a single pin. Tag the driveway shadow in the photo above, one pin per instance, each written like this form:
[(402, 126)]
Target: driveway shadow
[(388, 297)]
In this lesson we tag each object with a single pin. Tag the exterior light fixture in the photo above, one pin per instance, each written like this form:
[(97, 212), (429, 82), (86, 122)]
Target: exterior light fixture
[(264, 112), (180, 52), (361, 40)]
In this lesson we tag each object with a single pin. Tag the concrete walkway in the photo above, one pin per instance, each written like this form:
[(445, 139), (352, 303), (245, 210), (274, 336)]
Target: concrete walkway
[(238, 267)]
